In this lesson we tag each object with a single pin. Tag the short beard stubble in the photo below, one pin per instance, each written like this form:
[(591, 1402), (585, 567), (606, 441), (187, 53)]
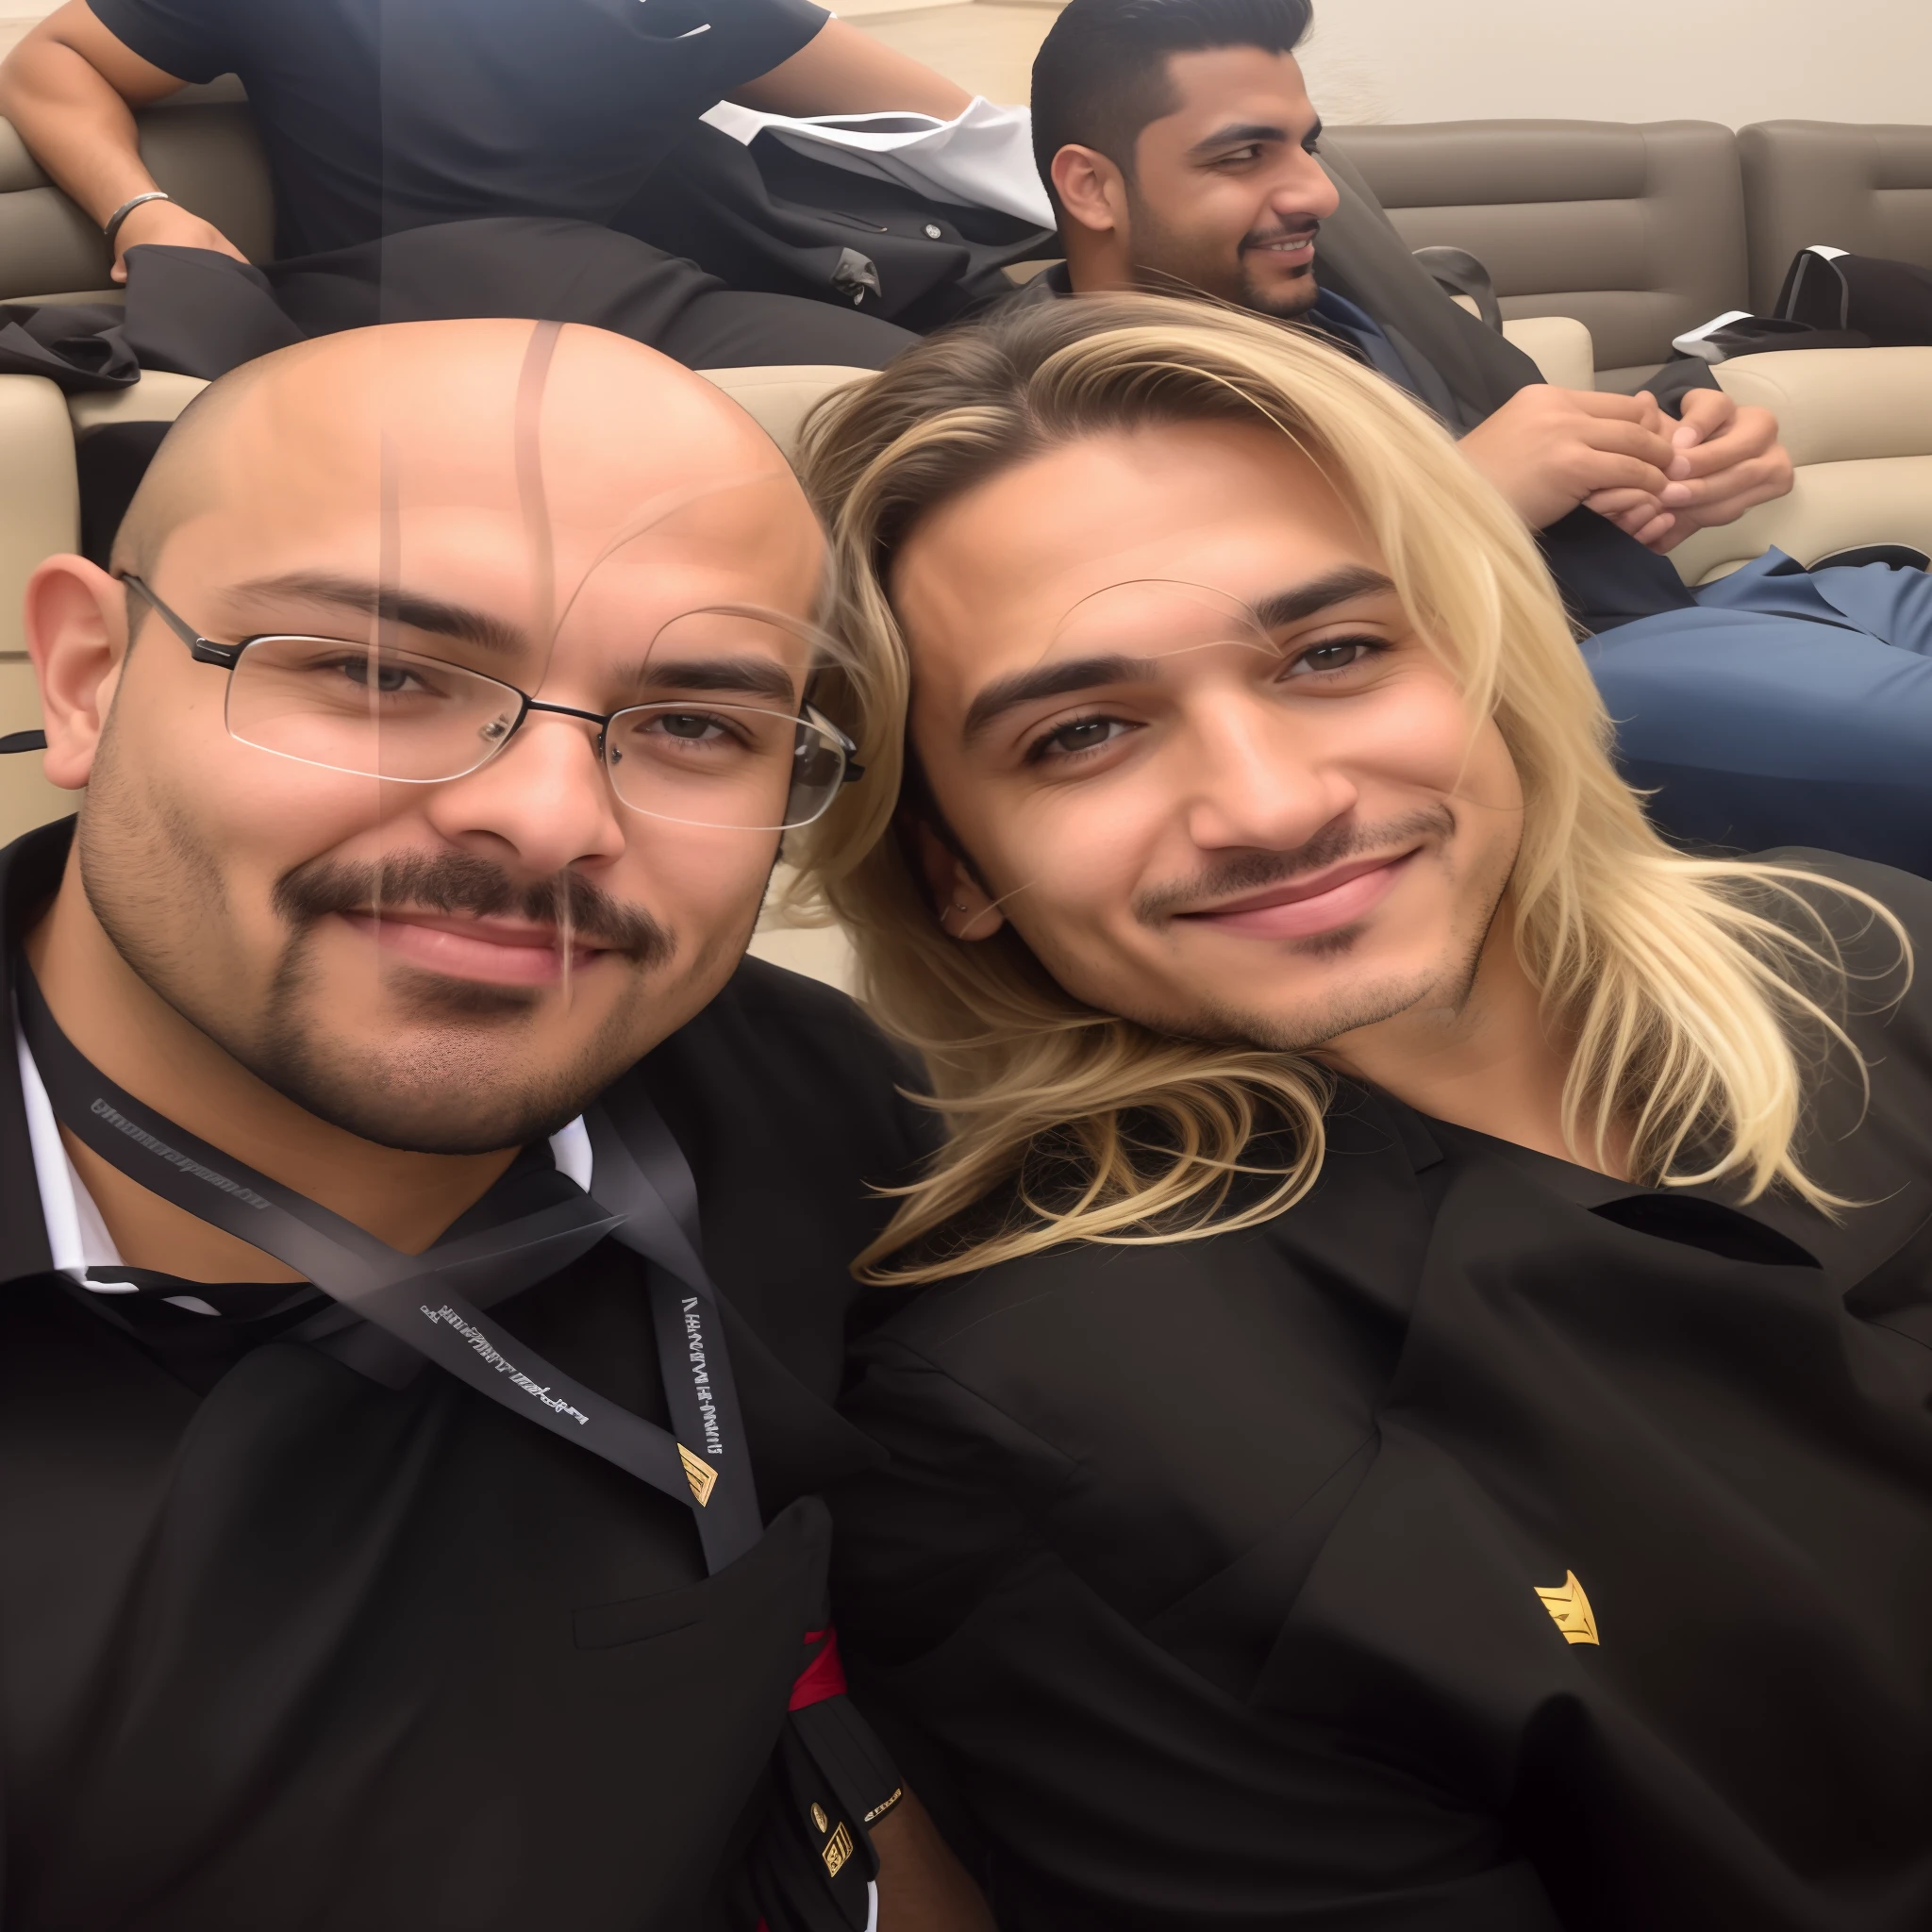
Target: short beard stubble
[(156, 885), (1166, 263), (1354, 1006)]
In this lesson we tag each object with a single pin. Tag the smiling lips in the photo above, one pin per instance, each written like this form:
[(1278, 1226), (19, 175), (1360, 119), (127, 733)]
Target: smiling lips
[(499, 952), (1292, 251), (1302, 908)]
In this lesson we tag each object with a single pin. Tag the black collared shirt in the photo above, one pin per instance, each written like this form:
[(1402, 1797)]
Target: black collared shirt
[(1484, 1544), (282, 1646)]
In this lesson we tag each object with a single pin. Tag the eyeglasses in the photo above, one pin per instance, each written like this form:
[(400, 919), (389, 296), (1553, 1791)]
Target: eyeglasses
[(379, 712)]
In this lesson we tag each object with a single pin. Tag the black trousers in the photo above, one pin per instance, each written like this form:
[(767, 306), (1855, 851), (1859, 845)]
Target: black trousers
[(552, 270), (201, 313)]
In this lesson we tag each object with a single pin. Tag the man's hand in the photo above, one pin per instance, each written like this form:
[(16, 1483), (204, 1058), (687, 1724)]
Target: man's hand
[(170, 226), (1726, 461), (1548, 449)]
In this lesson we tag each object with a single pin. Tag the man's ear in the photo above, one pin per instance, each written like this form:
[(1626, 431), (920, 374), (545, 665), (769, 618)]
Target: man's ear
[(77, 634), (1092, 191), (967, 910)]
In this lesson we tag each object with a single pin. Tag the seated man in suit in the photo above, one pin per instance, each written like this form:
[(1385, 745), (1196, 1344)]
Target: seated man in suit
[(1179, 145), (425, 1240), (1422, 1416), (493, 140)]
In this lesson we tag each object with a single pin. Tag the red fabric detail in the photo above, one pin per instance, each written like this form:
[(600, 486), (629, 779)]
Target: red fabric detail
[(823, 1677)]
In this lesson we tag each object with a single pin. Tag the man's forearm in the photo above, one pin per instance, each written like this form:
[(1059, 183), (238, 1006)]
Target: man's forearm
[(922, 1887), (74, 122), (845, 71)]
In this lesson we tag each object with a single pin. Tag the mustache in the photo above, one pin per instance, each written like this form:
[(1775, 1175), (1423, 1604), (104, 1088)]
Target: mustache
[(1303, 231), (461, 882), (1255, 870)]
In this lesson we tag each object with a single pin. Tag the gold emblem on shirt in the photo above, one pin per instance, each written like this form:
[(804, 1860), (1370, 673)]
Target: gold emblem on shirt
[(838, 1851), (1569, 1610), (699, 1473), (818, 1818)]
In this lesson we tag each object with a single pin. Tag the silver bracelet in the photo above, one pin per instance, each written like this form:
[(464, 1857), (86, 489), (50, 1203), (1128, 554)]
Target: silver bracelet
[(112, 225)]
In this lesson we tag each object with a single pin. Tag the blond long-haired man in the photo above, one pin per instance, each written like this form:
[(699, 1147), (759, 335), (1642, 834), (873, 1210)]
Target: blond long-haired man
[(1409, 1381)]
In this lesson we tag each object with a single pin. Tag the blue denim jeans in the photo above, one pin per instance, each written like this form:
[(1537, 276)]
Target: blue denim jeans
[(1791, 707)]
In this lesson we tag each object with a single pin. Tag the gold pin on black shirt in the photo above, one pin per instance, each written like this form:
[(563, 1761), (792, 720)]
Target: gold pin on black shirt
[(836, 1852), (699, 1473), (1569, 1610), (818, 1818)]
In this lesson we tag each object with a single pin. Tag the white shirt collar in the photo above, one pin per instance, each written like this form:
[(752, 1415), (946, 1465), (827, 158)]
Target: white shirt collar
[(75, 1232), (77, 1236)]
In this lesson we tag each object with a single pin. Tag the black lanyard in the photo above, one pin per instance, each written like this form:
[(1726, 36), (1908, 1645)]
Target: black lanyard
[(813, 1875), (642, 1194)]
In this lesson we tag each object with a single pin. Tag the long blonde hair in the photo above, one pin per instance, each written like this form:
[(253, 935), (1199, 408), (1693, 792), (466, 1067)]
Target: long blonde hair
[(1694, 1009)]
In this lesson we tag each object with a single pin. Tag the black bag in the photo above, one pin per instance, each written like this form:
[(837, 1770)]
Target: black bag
[(1830, 300), (1887, 303), (766, 217)]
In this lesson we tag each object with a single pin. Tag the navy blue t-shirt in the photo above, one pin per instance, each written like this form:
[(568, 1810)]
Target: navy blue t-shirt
[(379, 115)]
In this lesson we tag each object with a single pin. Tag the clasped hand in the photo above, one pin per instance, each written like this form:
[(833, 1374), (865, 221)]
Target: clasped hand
[(1549, 449), (169, 225)]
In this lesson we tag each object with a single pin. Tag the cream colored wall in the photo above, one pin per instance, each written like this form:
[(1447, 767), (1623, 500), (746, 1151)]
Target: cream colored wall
[(1729, 61)]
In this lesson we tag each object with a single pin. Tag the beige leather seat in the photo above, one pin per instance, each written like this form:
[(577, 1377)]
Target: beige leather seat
[(201, 146), (1635, 231), (1868, 190), (1858, 425)]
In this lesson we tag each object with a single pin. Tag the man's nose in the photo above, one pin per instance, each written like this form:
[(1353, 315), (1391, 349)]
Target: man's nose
[(1305, 188), (545, 797), (1261, 779)]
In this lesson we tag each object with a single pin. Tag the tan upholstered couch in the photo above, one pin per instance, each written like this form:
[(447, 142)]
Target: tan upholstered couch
[(1641, 231)]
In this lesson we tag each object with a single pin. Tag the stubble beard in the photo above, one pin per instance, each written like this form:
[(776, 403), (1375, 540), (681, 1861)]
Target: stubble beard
[(1446, 987), (1167, 264), (450, 1078)]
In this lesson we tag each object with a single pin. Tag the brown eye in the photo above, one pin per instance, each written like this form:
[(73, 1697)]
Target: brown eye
[(1070, 741), (1335, 654)]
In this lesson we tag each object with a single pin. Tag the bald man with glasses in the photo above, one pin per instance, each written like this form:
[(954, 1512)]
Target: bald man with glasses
[(426, 1236)]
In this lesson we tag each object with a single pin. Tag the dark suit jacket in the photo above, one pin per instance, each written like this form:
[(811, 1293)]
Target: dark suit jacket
[(1465, 371)]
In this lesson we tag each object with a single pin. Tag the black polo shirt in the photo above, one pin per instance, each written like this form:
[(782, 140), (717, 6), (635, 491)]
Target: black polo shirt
[(282, 1646), (1482, 1545), (378, 115)]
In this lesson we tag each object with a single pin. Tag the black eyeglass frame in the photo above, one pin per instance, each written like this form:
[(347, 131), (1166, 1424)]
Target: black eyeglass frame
[(206, 651)]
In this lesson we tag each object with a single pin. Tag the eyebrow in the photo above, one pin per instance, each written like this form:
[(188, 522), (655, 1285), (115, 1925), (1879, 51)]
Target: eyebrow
[(392, 604), (1238, 133), (1319, 593), (1004, 694), (1019, 688), (752, 676)]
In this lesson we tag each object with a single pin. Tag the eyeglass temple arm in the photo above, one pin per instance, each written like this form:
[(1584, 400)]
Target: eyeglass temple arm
[(852, 769), (205, 650)]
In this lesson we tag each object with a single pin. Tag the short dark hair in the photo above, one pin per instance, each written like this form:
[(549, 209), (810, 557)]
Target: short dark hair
[(1101, 73)]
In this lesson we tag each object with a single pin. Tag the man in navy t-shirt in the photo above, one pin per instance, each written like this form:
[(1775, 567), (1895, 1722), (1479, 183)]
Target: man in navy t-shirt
[(383, 117)]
